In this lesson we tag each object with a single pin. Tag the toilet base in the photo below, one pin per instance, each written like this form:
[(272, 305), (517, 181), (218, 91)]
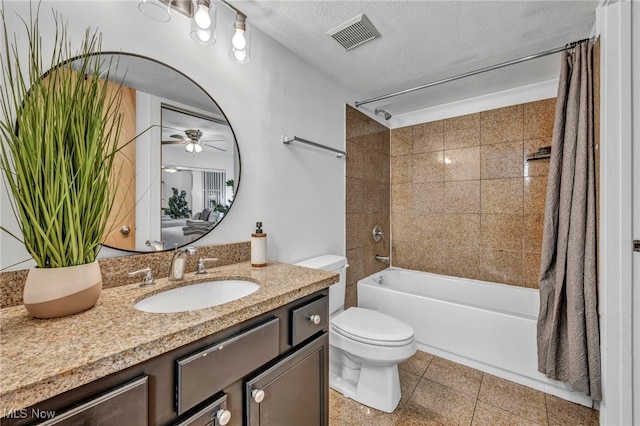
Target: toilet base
[(374, 386)]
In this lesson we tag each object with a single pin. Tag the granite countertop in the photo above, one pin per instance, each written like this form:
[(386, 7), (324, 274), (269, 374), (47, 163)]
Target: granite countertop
[(43, 358)]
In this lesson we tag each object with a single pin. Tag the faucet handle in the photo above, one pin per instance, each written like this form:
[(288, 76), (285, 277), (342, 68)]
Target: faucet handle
[(202, 269), (147, 280)]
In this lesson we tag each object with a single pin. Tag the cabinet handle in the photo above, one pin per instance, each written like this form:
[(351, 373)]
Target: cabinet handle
[(257, 395), (315, 319), (223, 416)]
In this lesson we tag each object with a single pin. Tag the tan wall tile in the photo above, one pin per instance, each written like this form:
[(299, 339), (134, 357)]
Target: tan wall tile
[(354, 234), (428, 167), (354, 195), (355, 160), (462, 196), (501, 266), (538, 118), (533, 228), (502, 160), (502, 231), (535, 167), (376, 166), (535, 194), (351, 297), (501, 125), (428, 227), (502, 196), (428, 197), (428, 137), (375, 196), (462, 230), (531, 270), (461, 261), (402, 228), (354, 123), (402, 197), (402, 141), (401, 169), (462, 163), (462, 131)]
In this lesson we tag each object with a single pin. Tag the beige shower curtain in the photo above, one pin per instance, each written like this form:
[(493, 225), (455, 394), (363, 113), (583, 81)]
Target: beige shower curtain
[(568, 333)]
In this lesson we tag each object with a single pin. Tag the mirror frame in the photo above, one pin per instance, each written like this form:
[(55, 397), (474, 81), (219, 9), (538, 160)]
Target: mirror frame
[(118, 54)]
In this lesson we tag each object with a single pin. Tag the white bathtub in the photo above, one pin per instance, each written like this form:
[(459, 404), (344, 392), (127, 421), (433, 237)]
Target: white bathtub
[(487, 326)]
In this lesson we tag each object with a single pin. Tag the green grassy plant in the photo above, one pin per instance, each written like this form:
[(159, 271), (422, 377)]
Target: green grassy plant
[(59, 138)]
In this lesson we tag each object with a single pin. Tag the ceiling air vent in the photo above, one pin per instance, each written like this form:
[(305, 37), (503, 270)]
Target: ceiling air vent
[(354, 32)]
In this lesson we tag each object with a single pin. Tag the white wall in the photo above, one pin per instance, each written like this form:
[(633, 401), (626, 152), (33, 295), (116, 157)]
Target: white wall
[(616, 215), (297, 192)]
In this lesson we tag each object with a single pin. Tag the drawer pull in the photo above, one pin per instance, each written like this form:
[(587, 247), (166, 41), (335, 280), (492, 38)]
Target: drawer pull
[(257, 395), (315, 319), (223, 416)]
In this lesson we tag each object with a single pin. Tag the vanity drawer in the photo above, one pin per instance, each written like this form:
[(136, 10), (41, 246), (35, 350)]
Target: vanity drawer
[(308, 319), (207, 371)]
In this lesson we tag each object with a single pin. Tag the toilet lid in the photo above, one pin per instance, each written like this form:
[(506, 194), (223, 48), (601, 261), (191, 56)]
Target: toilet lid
[(368, 325)]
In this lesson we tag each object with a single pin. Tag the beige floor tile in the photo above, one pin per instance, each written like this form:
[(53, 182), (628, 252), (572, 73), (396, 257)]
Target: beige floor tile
[(458, 377), (488, 415), (347, 412), (444, 404), (412, 414), (562, 412), (417, 364), (514, 398), (408, 383)]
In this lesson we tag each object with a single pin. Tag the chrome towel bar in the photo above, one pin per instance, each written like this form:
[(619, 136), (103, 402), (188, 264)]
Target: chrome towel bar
[(287, 140)]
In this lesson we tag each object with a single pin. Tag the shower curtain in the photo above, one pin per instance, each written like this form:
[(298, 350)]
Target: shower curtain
[(568, 333)]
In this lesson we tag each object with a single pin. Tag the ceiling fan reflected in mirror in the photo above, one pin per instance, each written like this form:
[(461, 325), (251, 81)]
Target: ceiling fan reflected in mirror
[(193, 142)]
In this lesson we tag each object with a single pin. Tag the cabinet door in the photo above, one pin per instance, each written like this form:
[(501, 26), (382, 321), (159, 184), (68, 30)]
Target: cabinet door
[(294, 391), (125, 405)]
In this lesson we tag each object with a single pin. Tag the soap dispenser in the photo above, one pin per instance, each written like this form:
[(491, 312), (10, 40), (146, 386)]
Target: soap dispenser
[(259, 247)]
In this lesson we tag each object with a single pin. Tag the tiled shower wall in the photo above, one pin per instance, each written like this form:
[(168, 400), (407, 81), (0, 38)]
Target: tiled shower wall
[(464, 201), (367, 197)]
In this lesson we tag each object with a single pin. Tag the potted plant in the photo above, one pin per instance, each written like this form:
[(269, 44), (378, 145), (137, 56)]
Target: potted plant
[(59, 131)]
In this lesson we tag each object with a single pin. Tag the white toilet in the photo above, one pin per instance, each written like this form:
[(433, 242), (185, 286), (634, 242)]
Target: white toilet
[(365, 346)]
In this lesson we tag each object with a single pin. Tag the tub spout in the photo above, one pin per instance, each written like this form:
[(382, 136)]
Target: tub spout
[(383, 259)]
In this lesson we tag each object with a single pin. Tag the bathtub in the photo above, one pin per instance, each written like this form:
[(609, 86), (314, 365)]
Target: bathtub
[(490, 327)]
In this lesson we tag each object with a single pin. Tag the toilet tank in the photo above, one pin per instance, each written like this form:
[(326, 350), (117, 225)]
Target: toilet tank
[(332, 263)]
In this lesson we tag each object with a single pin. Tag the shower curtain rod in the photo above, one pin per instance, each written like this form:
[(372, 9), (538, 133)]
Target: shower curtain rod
[(478, 71)]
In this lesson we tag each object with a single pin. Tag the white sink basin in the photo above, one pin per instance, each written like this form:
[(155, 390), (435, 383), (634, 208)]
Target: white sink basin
[(197, 296)]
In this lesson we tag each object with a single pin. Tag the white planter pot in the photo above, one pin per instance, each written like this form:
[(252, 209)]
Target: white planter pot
[(58, 292)]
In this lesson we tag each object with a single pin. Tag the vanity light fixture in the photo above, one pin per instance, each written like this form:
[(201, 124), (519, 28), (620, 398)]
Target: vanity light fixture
[(203, 22), (157, 10), (240, 39)]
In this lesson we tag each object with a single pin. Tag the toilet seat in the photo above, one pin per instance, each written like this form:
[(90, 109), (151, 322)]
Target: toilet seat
[(372, 327)]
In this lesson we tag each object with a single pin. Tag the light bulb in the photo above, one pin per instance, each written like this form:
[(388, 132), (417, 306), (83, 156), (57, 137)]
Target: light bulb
[(189, 147), (240, 55), (202, 17), (203, 35), (197, 147), (238, 41)]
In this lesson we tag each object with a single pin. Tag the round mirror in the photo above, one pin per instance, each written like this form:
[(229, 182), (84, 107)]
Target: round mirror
[(179, 166)]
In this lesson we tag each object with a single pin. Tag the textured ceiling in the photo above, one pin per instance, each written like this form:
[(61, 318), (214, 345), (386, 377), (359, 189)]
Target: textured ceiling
[(424, 41)]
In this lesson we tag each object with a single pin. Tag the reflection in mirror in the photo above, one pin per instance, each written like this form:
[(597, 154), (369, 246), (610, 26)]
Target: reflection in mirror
[(184, 141), (198, 176)]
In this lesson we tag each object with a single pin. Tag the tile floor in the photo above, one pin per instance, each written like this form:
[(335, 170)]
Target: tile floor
[(436, 391)]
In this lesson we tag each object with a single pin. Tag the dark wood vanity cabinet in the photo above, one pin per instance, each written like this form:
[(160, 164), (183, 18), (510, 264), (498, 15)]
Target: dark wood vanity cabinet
[(269, 370)]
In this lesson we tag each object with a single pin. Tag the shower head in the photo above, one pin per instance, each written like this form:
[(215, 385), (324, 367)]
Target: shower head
[(386, 114)]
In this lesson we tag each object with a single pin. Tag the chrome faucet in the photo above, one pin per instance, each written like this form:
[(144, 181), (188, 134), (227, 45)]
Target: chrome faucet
[(179, 262), (147, 280), (383, 259), (202, 267)]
